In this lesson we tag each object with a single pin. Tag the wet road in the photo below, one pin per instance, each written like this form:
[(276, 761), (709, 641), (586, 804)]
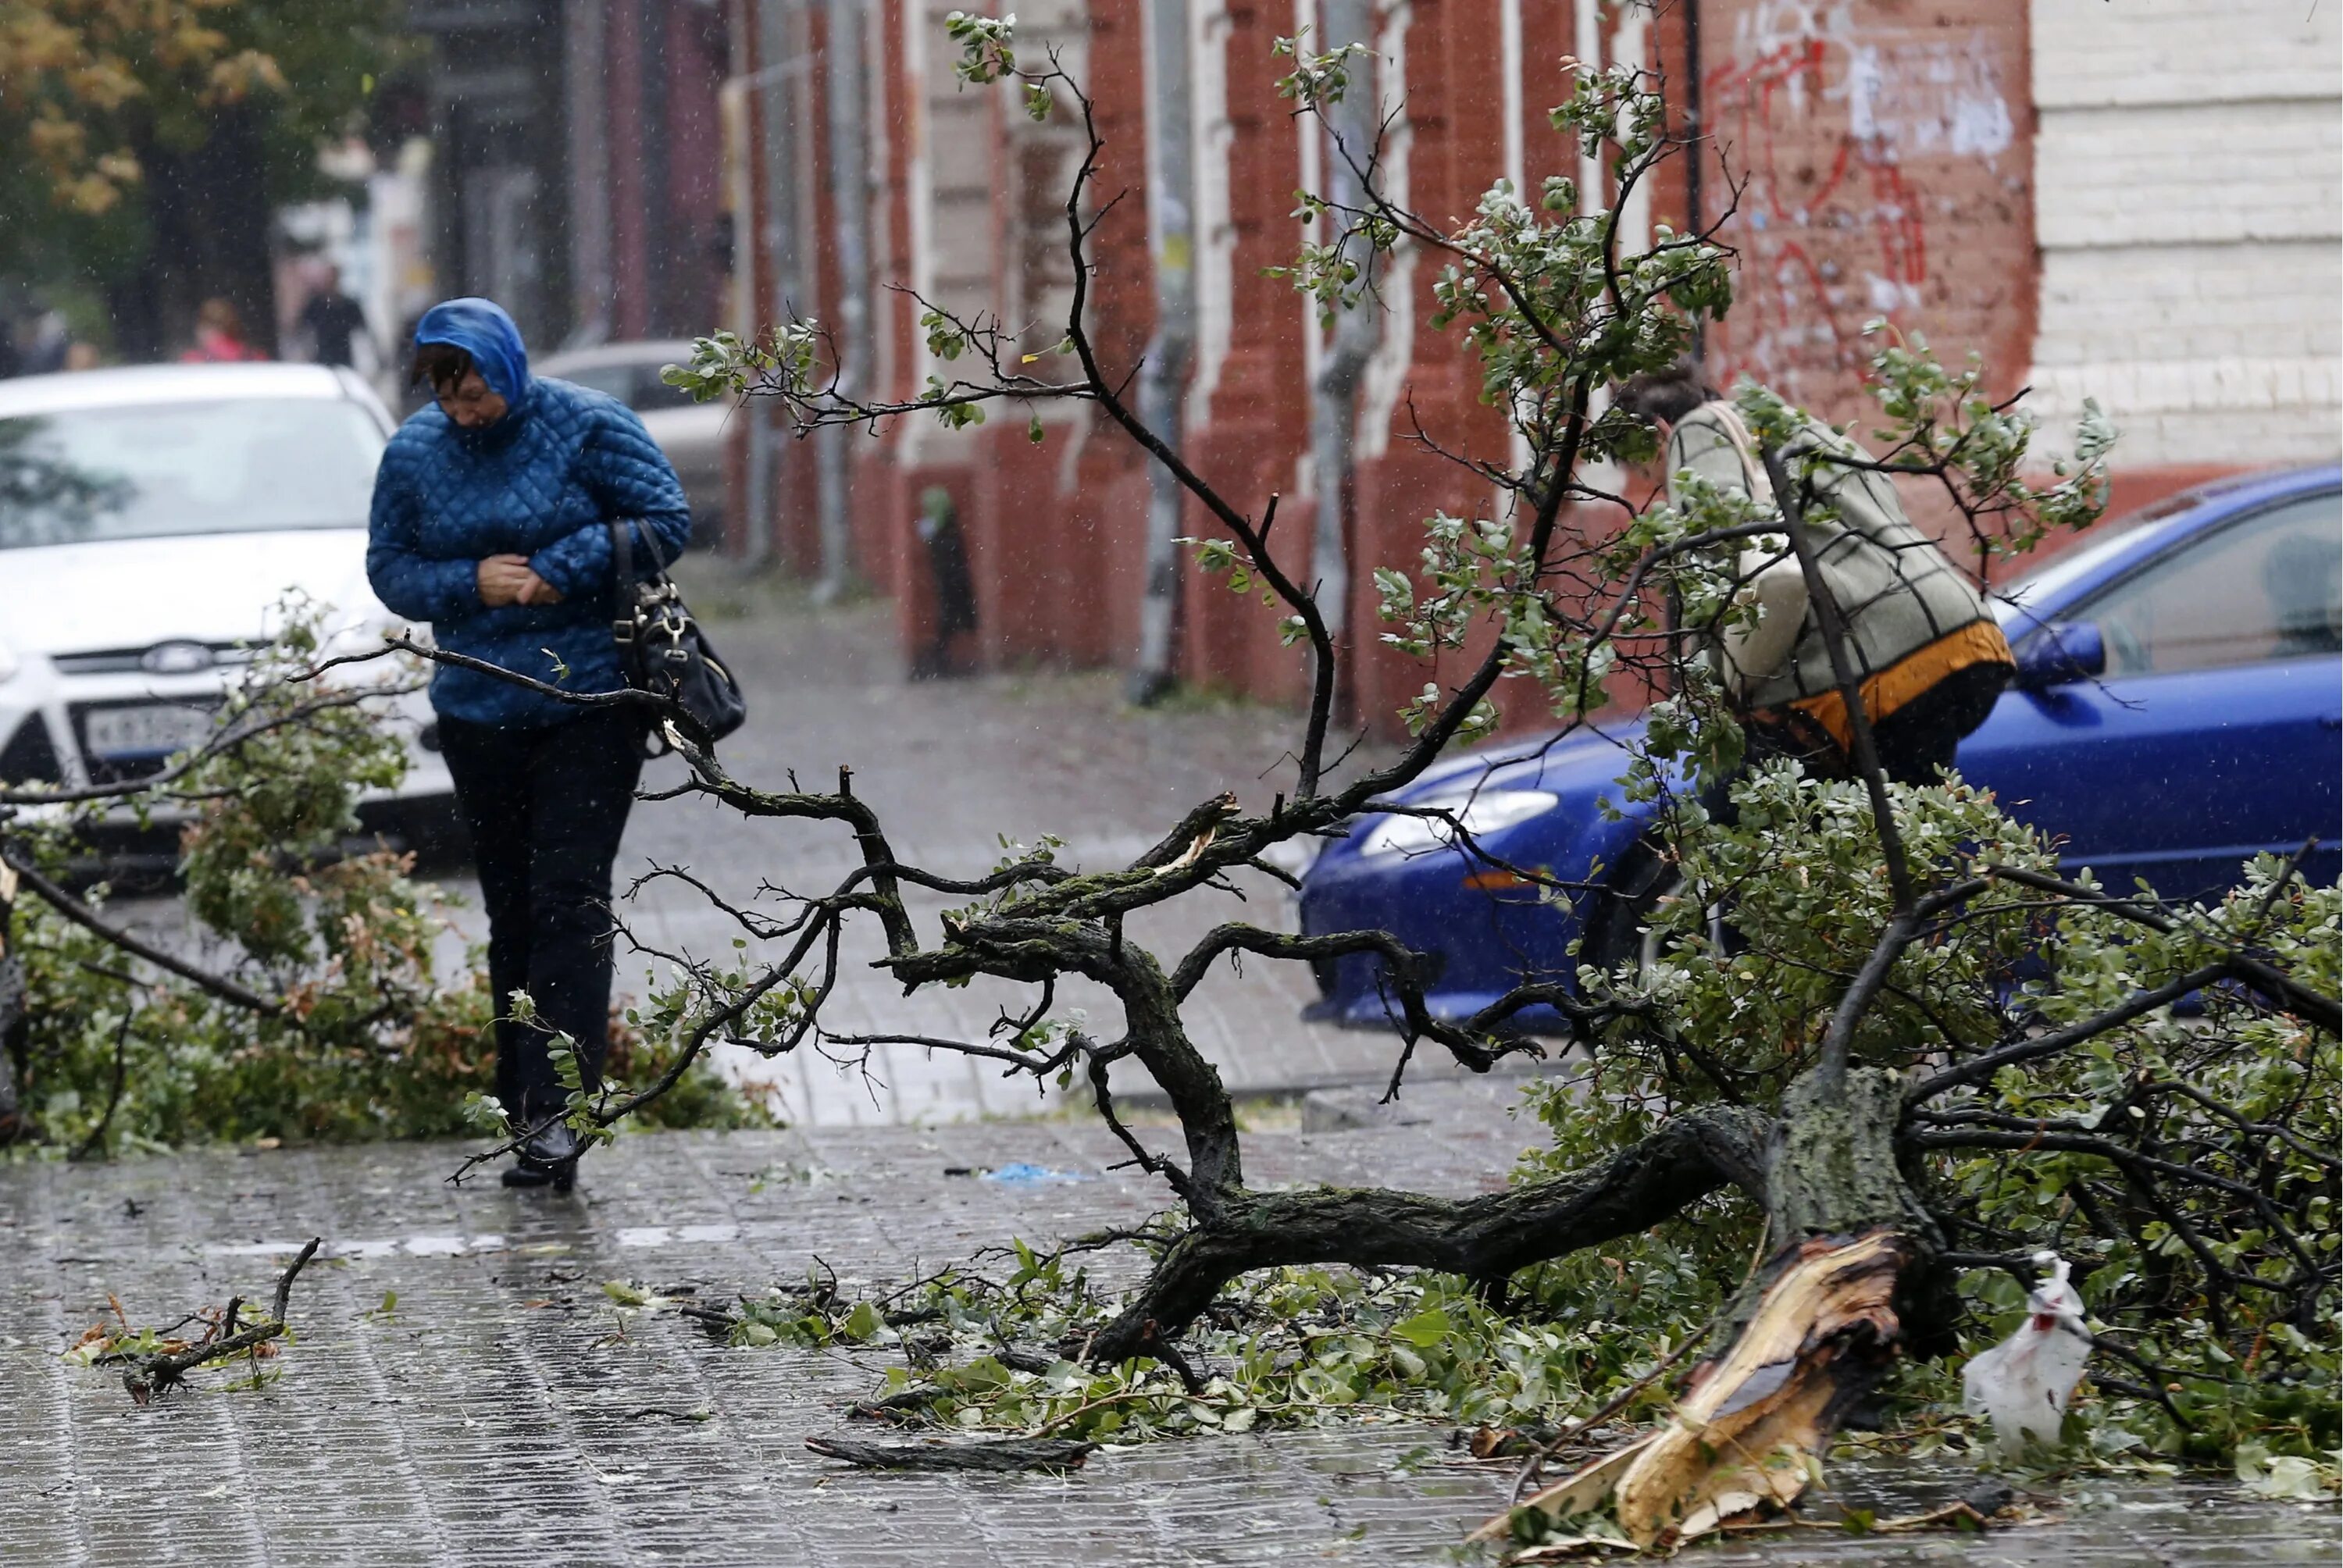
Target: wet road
[(502, 1411)]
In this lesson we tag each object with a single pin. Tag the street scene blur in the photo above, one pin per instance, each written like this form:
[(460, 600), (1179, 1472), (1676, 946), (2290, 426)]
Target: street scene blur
[(1171, 781)]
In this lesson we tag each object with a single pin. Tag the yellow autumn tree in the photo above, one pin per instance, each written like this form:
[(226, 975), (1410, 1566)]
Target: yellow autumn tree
[(73, 72)]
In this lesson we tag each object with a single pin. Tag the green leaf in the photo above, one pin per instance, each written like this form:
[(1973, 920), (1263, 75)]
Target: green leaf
[(1424, 1330), (625, 1294)]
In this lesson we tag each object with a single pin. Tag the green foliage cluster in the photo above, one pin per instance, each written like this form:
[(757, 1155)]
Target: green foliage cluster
[(94, 93), (1288, 1347), (367, 1040)]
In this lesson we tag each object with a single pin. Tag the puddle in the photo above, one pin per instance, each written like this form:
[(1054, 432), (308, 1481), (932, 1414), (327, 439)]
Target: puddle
[(436, 1244), (419, 1246), (676, 1236)]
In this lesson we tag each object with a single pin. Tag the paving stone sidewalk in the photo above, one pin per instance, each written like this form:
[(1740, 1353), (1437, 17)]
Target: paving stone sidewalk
[(500, 1412)]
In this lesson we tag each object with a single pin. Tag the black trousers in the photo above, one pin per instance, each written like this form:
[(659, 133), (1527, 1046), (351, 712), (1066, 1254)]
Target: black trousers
[(545, 807), (1914, 742)]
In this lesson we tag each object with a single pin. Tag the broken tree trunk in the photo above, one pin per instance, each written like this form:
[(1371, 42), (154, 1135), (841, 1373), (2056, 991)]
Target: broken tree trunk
[(1812, 1334)]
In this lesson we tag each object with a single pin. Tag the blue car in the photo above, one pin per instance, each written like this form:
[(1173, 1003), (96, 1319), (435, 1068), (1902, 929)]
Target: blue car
[(2178, 706)]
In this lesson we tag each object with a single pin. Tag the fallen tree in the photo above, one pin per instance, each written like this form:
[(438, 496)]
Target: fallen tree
[(1912, 1054)]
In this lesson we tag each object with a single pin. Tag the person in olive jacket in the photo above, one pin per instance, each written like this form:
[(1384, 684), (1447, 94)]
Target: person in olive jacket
[(1928, 656), (491, 521)]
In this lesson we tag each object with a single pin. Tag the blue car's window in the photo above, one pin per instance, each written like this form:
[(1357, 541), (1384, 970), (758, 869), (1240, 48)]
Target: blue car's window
[(2017, 606), (2269, 587)]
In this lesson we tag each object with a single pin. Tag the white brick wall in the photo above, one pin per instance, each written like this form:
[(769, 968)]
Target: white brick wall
[(2095, 53), (2188, 204)]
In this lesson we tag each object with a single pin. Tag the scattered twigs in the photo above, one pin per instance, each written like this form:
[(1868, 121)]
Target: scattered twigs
[(1576, 1426), (1002, 1454), (151, 1376)]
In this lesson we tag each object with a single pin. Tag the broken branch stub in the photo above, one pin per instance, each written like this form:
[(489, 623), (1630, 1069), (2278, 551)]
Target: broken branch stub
[(1813, 1338), (1747, 1434)]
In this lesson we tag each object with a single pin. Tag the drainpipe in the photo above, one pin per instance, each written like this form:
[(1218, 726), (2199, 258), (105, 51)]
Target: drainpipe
[(785, 32), (765, 233), (1335, 396), (742, 97), (1695, 133), (849, 182), (586, 65), (1162, 380)]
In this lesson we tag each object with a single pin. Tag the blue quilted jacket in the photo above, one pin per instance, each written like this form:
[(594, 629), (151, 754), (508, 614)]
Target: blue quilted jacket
[(544, 481)]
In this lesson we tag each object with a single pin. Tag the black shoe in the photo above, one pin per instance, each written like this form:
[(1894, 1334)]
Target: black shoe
[(553, 1152), (520, 1175)]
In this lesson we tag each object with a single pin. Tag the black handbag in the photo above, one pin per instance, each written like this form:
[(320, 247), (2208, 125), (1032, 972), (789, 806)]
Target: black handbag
[(664, 651)]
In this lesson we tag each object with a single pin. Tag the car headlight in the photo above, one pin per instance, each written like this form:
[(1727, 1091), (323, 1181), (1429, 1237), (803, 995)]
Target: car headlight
[(1482, 812)]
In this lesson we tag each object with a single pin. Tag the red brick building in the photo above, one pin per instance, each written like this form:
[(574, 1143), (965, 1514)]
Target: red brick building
[(1930, 163)]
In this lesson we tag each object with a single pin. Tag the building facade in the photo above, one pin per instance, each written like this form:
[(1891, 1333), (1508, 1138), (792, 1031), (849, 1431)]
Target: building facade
[(577, 166), (2131, 200)]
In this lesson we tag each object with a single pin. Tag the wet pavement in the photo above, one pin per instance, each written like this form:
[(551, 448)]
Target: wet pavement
[(463, 1391), (953, 767)]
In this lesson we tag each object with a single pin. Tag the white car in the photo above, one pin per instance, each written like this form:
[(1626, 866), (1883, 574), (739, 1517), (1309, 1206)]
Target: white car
[(690, 433), (151, 520)]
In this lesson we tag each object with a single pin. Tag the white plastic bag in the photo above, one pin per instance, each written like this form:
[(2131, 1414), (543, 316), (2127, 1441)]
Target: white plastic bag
[(2022, 1384)]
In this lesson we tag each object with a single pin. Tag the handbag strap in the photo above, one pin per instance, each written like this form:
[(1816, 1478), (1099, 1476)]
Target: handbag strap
[(622, 559)]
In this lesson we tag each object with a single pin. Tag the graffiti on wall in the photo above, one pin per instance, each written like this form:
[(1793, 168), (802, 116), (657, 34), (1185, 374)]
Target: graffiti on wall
[(1883, 170)]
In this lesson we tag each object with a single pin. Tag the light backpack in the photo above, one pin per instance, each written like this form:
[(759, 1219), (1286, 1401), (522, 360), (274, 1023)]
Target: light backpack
[(1770, 578)]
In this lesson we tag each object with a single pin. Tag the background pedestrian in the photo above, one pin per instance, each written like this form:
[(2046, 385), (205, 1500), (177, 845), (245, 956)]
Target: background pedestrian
[(333, 322), (219, 336)]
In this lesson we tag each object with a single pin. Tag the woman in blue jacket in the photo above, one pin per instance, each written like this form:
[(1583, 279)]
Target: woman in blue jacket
[(491, 521)]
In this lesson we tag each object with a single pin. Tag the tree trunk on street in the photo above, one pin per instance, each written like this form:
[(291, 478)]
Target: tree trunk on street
[(1846, 1293), (1485, 1238)]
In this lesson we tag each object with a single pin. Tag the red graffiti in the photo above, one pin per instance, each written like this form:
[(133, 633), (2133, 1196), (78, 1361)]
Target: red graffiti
[(1830, 234)]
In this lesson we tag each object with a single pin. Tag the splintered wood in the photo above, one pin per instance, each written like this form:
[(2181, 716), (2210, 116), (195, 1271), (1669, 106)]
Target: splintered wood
[(1752, 1425)]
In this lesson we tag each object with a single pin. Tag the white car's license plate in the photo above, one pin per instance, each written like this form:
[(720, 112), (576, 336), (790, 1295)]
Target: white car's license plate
[(154, 731)]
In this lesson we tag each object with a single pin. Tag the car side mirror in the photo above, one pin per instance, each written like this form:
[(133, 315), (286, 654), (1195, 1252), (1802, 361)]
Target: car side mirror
[(2062, 652)]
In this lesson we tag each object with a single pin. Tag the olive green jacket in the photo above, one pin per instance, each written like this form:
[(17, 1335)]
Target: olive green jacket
[(1896, 590)]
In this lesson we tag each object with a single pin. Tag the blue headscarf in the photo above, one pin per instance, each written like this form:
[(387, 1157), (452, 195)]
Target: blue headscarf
[(481, 328)]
